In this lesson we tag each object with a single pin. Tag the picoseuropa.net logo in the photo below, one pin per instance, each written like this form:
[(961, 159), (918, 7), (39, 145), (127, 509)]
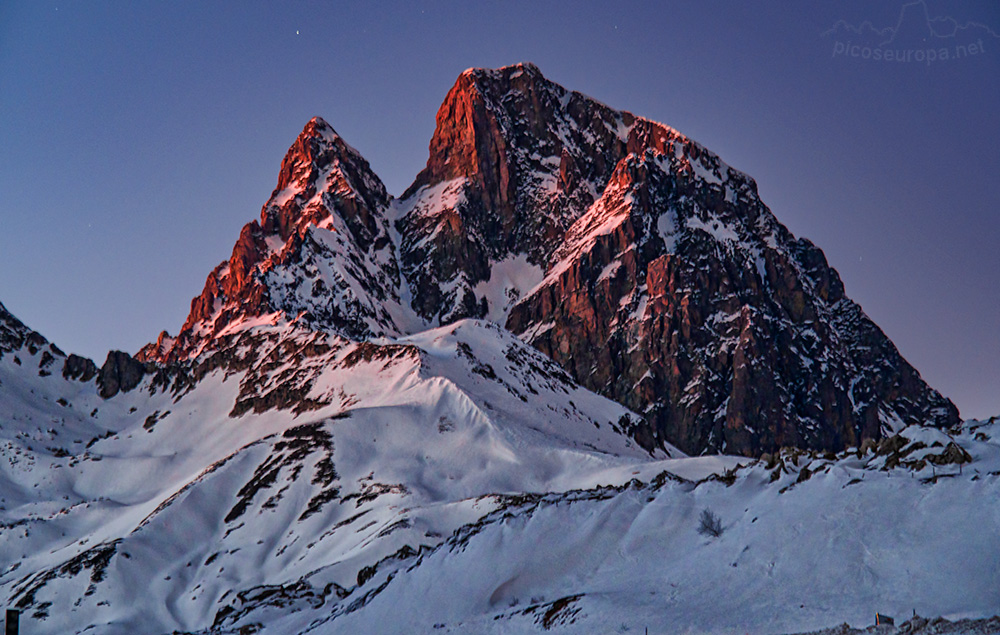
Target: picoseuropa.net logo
[(916, 37)]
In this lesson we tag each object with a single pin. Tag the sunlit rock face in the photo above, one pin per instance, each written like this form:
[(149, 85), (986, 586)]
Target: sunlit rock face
[(514, 160), (631, 255), (685, 300)]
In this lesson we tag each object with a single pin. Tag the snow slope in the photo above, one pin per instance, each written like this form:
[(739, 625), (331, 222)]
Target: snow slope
[(797, 553), (454, 480), (149, 512)]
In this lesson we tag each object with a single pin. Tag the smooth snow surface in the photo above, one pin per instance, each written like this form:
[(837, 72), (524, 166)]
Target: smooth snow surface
[(836, 548)]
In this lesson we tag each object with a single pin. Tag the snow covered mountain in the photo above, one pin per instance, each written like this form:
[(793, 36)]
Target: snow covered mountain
[(467, 410), (320, 253), (632, 256)]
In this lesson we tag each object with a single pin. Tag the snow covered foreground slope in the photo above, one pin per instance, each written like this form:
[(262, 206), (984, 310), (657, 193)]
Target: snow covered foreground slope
[(850, 541), (826, 541), (151, 511), (431, 498)]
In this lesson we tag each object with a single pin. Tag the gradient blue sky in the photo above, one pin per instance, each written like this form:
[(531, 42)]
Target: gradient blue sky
[(136, 139)]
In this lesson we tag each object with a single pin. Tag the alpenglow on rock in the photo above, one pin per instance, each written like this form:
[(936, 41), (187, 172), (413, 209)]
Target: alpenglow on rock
[(320, 252), (645, 266)]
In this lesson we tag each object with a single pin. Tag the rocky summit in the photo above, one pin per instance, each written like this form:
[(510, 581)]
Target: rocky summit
[(631, 255)]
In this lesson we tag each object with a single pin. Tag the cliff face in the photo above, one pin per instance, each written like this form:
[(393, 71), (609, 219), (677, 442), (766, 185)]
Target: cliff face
[(631, 255), (514, 160), (688, 302)]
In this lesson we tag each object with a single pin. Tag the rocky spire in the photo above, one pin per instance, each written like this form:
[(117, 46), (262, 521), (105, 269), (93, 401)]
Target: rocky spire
[(328, 206)]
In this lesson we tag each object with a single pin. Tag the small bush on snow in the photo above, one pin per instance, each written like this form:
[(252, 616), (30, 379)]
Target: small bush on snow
[(709, 524)]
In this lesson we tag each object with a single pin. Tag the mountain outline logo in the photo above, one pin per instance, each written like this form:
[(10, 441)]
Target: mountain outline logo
[(915, 37)]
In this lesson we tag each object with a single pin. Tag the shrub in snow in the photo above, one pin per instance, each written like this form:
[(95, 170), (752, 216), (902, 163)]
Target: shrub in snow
[(709, 524)]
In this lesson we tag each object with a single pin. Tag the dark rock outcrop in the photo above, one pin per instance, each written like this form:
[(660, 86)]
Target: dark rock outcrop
[(120, 373), (79, 368), (14, 336)]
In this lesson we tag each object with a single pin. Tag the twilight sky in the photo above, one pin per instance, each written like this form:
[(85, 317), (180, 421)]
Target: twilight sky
[(136, 138)]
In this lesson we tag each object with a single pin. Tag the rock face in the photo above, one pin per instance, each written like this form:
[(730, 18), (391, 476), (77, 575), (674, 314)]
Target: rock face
[(79, 368), (14, 335), (634, 257), (683, 298), (514, 160)]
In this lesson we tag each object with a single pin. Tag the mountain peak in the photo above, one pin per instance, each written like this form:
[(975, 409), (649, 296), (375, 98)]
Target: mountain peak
[(509, 72), (318, 122), (327, 200), (316, 147), (523, 158), (471, 135)]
